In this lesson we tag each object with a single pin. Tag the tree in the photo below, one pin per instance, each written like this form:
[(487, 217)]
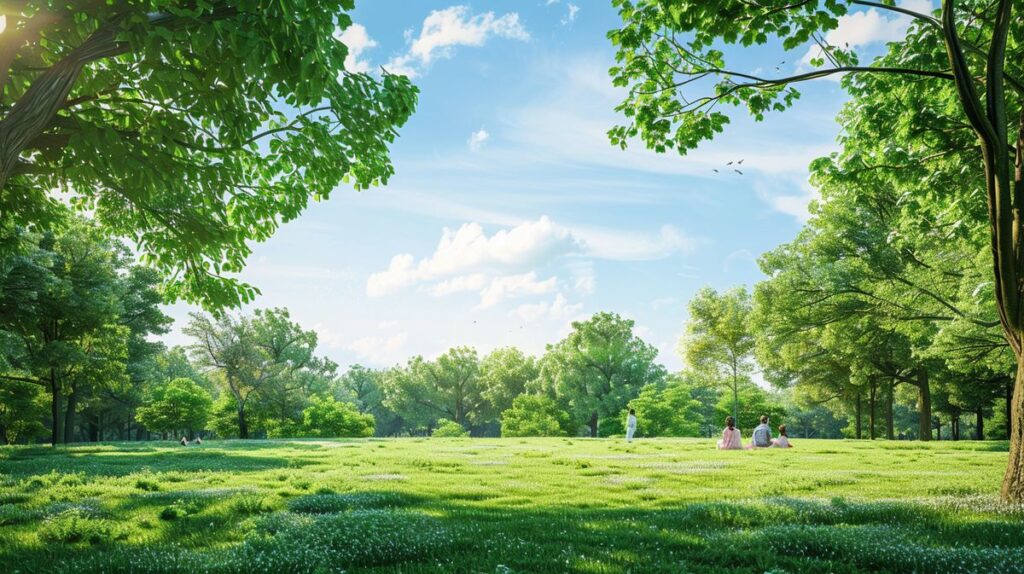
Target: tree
[(505, 374), (718, 339), (598, 368), (668, 410), (535, 415), (68, 301), (179, 405), (448, 387), (667, 47), (265, 359), (329, 418), (22, 410), (362, 387), (247, 104)]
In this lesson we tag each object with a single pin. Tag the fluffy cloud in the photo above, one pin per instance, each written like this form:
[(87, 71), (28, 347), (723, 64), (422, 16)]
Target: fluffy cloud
[(512, 286), (380, 350), (443, 30), (468, 249), (357, 41), (559, 309), (872, 26), (478, 138)]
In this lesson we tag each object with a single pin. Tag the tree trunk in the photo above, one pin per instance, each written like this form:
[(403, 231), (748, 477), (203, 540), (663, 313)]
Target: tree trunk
[(69, 416), (593, 425), (979, 425), (890, 431), (871, 405), (57, 430), (1013, 480), (858, 417), (1009, 408), (924, 404), (243, 426)]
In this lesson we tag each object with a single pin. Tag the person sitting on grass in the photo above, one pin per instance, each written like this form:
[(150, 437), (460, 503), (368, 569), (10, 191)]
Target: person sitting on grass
[(183, 441), (783, 440), (199, 440), (762, 436), (630, 425), (731, 437)]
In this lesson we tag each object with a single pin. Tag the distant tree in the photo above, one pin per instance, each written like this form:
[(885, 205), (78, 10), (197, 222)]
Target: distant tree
[(267, 359), (667, 410), (536, 415), (718, 339), (754, 402), (505, 374), (329, 418), (448, 387), (179, 405), (249, 105), (449, 429), (598, 368), (362, 387)]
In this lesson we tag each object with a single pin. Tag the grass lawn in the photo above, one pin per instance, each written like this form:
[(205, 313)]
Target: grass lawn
[(507, 505)]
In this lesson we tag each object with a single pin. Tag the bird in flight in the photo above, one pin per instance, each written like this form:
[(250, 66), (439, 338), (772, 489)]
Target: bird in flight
[(738, 171)]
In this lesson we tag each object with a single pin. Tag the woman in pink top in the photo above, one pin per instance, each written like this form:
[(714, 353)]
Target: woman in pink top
[(783, 440), (731, 438)]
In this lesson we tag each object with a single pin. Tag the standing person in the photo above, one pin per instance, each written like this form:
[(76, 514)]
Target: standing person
[(630, 425), (731, 437), (762, 436)]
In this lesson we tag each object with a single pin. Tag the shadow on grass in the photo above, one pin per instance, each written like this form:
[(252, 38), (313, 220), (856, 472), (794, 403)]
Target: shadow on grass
[(120, 462), (392, 531)]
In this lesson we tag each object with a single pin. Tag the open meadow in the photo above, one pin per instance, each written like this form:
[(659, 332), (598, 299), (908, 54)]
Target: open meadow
[(507, 505)]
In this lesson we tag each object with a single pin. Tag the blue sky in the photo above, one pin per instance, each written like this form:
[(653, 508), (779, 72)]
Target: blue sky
[(510, 215)]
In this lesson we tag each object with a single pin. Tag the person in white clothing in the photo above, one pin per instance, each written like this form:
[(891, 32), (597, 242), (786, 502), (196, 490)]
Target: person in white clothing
[(630, 425), (731, 437), (783, 440)]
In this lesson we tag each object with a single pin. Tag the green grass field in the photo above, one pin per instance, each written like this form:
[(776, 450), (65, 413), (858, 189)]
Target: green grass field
[(507, 505)]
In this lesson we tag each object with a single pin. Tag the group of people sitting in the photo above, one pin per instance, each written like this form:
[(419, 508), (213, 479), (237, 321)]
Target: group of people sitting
[(732, 439), (185, 442)]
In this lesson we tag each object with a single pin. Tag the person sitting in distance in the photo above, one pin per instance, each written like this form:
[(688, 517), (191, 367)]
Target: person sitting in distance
[(183, 441), (783, 440), (199, 439), (762, 436), (731, 437)]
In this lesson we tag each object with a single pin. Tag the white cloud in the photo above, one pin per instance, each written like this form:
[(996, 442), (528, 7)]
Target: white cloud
[(867, 27), (788, 202), (512, 286), (465, 258), (443, 30), (570, 17), (559, 309), (478, 138), (470, 248), (631, 246), (380, 350), (358, 41)]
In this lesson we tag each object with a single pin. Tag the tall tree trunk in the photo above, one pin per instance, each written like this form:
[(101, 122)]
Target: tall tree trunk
[(243, 426), (979, 425), (592, 423), (1009, 408), (858, 416), (890, 431), (69, 416), (57, 430), (1013, 480), (871, 412), (924, 404)]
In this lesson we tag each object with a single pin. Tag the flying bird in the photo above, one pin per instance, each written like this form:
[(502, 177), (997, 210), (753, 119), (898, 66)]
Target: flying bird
[(738, 171), (730, 163), (741, 161), (714, 170)]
